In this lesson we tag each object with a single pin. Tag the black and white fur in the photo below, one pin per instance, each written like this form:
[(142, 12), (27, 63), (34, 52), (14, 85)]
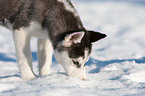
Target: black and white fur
[(57, 26)]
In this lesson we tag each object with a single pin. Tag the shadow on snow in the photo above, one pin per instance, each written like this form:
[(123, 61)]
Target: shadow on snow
[(6, 58), (8, 76), (100, 64)]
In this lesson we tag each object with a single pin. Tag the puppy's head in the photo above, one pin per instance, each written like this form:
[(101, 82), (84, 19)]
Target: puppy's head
[(74, 50)]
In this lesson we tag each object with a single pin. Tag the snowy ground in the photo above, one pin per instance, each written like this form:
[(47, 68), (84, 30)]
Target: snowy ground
[(116, 66)]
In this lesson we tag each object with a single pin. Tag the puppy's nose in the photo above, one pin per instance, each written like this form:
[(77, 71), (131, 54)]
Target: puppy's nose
[(83, 78)]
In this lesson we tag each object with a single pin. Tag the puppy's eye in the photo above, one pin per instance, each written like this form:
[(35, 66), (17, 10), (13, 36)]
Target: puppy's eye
[(77, 64)]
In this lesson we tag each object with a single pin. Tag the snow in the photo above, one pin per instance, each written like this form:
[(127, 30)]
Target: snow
[(116, 66)]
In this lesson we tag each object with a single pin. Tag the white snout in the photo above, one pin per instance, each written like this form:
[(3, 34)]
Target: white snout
[(70, 68), (77, 72)]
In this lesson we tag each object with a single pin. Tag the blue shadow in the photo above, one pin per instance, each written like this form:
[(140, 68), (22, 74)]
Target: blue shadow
[(15, 75), (6, 58), (101, 64)]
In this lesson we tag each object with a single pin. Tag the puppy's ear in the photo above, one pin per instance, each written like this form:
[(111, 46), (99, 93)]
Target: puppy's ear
[(73, 38), (96, 36)]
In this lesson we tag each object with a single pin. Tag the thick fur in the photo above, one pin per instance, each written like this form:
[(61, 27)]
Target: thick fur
[(57, 26)]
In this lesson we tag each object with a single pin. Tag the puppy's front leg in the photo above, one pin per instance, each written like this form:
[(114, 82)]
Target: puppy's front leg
[(23, 52), (45, 51)]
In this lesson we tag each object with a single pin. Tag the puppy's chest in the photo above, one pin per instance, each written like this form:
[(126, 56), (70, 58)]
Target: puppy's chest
[(35, 30)]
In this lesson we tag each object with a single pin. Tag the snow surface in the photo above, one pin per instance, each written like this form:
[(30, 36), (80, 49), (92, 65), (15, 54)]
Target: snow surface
[(116, 66)]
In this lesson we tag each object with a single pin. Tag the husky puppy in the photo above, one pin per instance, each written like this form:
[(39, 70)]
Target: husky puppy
[(57, 26)]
